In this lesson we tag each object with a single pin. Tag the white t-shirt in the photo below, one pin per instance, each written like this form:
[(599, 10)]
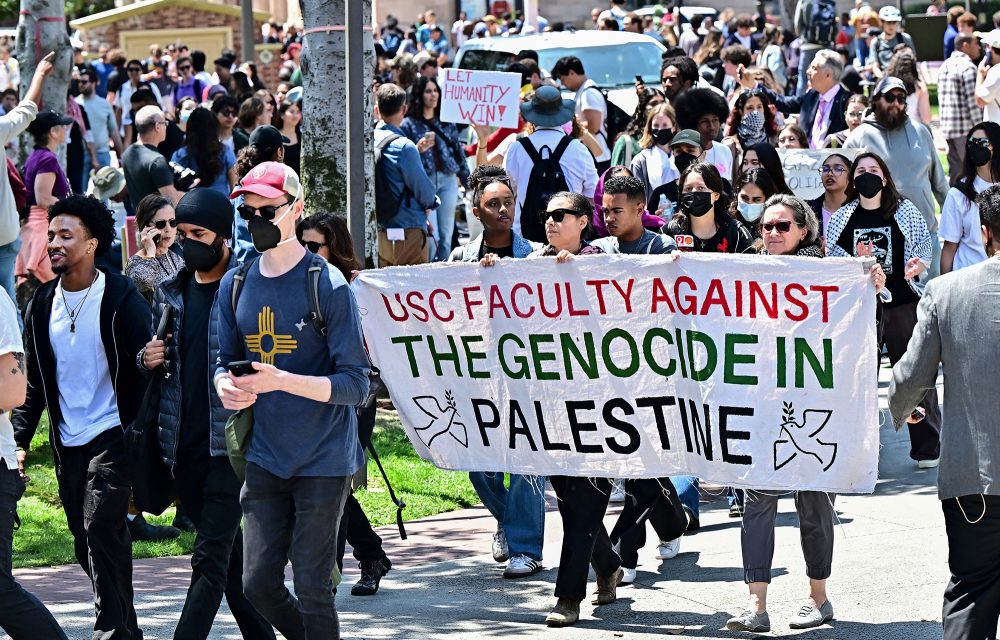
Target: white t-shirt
[(989, 91), (960, 224), (720, 156), (86, 396), (123, 100), (10, 342), (588, 99)]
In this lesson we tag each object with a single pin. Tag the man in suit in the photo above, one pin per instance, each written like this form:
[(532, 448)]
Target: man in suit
[(821, 108), (956, 326)]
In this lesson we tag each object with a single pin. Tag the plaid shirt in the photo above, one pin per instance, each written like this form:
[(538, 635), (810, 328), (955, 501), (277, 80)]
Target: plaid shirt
[(956, 82)]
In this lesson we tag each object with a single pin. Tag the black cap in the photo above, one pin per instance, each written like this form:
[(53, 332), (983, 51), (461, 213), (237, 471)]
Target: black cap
[(207, 208), (268, 137), (224, 61), (46, 120)]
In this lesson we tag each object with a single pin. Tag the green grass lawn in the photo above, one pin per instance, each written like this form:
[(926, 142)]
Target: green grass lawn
[(44, 540)]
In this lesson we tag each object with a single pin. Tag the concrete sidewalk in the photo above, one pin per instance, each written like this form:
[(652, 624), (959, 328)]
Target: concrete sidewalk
[(889, 573)]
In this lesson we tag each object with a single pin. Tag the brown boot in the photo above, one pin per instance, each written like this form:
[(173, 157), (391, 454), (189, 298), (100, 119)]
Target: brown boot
[(606, 591), (565, 613)]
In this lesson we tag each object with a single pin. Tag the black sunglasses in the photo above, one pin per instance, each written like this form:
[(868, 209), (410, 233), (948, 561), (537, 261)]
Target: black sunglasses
[(228, 113), (557, 215), (894, 97), (136, 69), (162, 224), (267, 211), (313, 247), (783, 226), (184, 68)]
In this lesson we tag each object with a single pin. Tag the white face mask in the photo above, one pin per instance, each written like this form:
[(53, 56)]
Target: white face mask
[(750, 212)]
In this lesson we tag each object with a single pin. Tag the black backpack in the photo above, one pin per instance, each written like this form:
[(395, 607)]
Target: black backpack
[(546, 179), (822, 28), (617, 120), (386, 204)]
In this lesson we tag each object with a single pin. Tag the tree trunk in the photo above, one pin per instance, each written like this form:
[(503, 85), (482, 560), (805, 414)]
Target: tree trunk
[(327, 135), (42, 28)]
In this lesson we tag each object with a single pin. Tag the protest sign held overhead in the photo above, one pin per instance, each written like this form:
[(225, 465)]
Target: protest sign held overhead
[(801, 167), (635, 366), (480, 97)]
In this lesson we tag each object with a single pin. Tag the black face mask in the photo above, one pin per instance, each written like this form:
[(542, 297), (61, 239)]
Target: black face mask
[(868, 185), (199, 256), (662, 136), (980, 155), (696, 203), (265, 234), (684, 160)]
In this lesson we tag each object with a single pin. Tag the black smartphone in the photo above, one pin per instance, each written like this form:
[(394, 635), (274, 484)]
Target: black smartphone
[(157, 237), (241, 368)]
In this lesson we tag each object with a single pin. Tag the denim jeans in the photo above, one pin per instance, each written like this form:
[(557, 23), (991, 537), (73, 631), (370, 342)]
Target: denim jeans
[(444, 221), (22, 616), (296, 519), (8, 256), (687, 491), (520, 510)]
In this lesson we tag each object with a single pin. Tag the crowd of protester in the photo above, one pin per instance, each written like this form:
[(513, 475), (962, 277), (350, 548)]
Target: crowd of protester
[(236, 308)]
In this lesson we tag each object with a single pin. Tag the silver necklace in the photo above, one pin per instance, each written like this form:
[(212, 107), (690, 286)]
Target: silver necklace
[(75, 313)]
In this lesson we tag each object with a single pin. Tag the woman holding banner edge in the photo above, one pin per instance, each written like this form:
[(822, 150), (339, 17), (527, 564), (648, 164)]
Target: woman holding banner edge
[(789, 227)]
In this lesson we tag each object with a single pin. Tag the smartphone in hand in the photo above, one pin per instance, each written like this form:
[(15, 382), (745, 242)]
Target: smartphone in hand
[(241, 368)]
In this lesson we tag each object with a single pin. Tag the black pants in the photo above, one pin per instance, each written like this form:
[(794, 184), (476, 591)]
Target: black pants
[(22, 616), (647, 499), (210, 492), (972, 599), (95, 489), (582, 505), (357, 529), (925, 436)]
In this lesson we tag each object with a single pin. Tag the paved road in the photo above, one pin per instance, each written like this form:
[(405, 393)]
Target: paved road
[(889, 572)]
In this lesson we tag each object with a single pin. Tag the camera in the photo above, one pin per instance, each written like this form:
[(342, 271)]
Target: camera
[(183, 177)]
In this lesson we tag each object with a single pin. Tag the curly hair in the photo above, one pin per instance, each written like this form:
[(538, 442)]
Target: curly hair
[(202, 144), (415, 107), (483, 176), (736, 115), (97, 218), (336, 237), (251, 155), (695, 103), (903, 65)]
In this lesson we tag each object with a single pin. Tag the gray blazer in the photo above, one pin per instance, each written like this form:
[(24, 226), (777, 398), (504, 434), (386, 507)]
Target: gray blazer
[(958, 324)]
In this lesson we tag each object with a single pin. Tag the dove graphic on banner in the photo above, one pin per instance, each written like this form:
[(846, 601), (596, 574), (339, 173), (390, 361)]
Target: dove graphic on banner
[(443, 420), (796, 438)]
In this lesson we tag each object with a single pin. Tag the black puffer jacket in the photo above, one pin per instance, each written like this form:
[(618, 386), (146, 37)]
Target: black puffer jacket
[(171, 293)]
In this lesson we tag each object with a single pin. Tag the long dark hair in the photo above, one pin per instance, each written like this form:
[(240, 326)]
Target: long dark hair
[(250, 156), (965, 184), (736, 115), (890, 194), (337, 239), (757, 176), (415, 108), (769, 159), (713, 180), (903, 65), (202, 144)]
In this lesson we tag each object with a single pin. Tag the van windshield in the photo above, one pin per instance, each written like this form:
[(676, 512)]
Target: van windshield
[(608, 66)]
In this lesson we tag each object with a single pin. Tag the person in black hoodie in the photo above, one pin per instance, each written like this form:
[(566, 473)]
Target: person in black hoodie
[(83, 331), (193, 421)]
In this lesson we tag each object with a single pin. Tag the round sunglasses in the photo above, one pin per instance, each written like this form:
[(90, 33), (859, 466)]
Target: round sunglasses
[(162, 224)]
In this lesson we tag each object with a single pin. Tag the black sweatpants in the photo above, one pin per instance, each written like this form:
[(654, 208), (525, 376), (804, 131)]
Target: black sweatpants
[(972, 599), (582, 505), (95, 490), (647, 499)]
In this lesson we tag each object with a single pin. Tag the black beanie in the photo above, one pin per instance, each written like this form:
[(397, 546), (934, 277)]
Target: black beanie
[(207, 208)]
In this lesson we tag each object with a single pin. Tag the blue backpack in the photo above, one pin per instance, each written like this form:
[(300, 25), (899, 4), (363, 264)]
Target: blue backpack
[(822, 29)]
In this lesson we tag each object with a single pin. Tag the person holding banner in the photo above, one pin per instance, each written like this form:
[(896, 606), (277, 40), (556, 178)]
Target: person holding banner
[(960, 223), (701, 223), (520, 509), (878, 221), (565, 234)]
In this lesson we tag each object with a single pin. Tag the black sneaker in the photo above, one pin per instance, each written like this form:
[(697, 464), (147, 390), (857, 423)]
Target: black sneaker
[(182, 521), (371, 574), (139, 529), (735, 510)]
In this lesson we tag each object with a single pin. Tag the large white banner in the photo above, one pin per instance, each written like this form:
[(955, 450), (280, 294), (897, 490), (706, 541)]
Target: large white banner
[(751, 371)]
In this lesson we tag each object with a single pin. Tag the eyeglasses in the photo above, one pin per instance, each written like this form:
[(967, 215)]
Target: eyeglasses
[(228, 113), (266, 212), (894, 97), (162, 224), (313, 247), (134, 69), (837, 169), (980, 142), (557, 215), (783, 226)]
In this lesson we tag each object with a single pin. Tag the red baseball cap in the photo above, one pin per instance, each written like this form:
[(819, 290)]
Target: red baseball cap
[(269, 180)]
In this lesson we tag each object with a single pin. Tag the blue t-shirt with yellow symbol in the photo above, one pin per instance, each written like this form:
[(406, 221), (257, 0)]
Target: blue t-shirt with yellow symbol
[(294, 436)]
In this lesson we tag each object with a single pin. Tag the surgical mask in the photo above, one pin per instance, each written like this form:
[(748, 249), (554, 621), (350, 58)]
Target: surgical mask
[(662, 136), (868, 185), (980, 155), (697, 203), (684, 160), (265, 234), (750, 212), (200, 256), (185, 114)]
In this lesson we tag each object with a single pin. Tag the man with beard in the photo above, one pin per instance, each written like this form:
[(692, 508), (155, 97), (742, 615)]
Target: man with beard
[(677, 75), (889, 132), (83, 332)]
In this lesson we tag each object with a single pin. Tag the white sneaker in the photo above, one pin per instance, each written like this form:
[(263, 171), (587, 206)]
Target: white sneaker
[(628, 576), (618, 491), (669, 549), (499, 546), (927, 464), (520, 566)]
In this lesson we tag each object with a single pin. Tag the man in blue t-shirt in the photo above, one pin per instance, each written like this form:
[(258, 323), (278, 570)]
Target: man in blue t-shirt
[(307, 379)]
